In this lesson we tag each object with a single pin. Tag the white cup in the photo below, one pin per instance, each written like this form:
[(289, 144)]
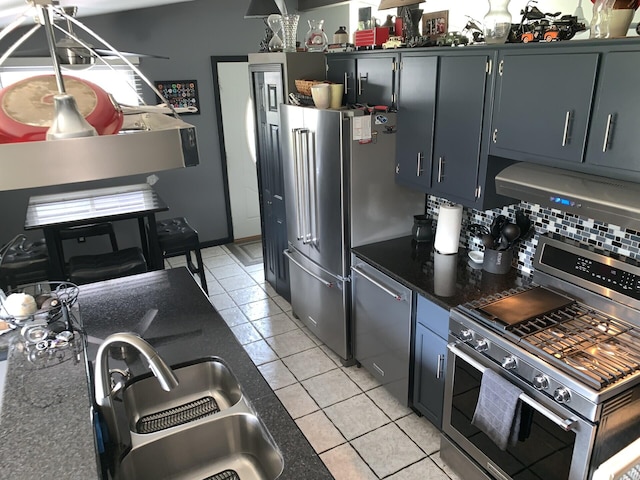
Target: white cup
[(337, 91), (321, 94)]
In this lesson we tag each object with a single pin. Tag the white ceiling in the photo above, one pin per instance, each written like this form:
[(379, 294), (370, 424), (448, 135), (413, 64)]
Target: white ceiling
[(10, 9)]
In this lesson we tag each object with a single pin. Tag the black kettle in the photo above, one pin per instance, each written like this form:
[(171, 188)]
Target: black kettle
[(422, 228)]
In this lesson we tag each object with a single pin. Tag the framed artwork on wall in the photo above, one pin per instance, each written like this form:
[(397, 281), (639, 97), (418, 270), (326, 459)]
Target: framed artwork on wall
[(435, 24), (180, 93)]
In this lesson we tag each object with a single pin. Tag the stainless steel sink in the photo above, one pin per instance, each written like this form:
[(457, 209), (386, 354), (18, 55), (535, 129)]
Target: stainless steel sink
[(206, 387), (233, 442)]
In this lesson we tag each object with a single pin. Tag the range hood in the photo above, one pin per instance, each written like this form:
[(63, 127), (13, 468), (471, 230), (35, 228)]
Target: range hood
[(604, 199)]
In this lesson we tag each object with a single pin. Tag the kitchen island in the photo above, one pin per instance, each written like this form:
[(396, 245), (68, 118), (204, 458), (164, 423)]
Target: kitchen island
[(183, 326)]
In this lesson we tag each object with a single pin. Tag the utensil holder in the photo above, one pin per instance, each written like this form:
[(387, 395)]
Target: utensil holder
[(497, 261)]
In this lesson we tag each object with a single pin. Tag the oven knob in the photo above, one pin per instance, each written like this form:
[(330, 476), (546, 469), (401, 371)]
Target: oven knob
[(482, 345), (541, 382), (466, 335), (562, 395), (509, 363)]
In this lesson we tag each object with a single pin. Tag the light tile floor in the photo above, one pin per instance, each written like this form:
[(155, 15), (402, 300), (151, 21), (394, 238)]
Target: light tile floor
[(359, 430)]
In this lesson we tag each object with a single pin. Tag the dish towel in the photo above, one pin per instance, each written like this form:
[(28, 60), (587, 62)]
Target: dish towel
[(498, 410)]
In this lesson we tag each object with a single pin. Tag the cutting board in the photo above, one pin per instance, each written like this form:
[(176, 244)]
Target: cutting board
[(526, 305)]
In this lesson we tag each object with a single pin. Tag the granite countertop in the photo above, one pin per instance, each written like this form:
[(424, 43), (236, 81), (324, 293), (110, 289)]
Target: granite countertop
[(187, 327), (45, 419), (415, 265)]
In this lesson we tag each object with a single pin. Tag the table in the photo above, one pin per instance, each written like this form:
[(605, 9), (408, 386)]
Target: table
[(54, 212)]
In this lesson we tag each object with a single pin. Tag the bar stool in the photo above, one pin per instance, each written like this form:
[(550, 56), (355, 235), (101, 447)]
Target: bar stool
[(106, 266), (24, 263), (176, 237)]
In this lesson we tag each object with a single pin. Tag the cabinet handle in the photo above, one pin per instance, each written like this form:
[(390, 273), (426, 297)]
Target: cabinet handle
[(346, 83), (388, 291), (419, 162), (605, 144), (360, 78), (565, 134), (501, 67), (489, 65), (439, 366), (378, 369), (440, 168), (397, 168), (494, 137)]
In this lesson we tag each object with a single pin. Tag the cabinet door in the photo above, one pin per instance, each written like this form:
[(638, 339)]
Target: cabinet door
[(416, 111), (429, 368), (382, 328), (268, 87), (542, 106), (613, 139), (343, 70), (458, 126), (375, 79)]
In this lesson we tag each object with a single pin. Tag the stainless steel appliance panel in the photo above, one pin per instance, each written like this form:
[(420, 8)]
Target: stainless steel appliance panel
[(382, 327), (328, 131), (320, 299), (379, 208)]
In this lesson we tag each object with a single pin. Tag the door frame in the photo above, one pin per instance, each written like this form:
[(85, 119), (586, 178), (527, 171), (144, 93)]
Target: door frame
[(223, 150)]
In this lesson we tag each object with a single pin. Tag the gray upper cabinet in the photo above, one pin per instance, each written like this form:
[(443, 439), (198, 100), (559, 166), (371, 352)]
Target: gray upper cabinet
[(368, 78), (613, 138), (414, 146), (542, 106), (460, 114)]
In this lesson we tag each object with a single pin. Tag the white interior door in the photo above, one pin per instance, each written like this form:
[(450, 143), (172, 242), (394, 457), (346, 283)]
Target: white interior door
[(239, 141)]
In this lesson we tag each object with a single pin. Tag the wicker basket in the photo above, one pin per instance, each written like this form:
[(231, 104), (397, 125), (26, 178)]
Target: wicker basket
[(304, 86)]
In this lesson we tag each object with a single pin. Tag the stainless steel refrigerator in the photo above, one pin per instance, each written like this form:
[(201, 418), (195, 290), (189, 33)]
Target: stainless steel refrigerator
[(340, 192)]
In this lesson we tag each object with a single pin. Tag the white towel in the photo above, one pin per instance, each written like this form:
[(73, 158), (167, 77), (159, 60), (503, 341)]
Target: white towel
[(498, 410)]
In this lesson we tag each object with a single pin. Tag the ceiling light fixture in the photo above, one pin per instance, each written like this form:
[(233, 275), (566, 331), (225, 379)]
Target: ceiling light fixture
[(148, 142)]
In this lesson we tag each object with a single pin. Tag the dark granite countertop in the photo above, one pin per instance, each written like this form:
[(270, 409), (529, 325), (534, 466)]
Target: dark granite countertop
[(187, 327), (447, 280)]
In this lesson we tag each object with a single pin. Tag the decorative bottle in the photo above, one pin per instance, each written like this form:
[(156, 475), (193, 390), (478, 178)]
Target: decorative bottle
[(497, 22), (341, 35), (316, 39)]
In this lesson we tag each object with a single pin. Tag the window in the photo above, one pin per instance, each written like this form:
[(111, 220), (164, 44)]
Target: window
[(118, 79)]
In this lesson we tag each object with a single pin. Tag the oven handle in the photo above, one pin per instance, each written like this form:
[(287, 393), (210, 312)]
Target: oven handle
[(565, 423)]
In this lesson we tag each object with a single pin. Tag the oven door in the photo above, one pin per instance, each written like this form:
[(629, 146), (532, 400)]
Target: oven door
[(558, 445)]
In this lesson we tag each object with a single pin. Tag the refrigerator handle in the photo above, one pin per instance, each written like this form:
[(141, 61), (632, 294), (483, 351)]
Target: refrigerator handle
[(304, 179), (297, 155), (312, 198), (287, 253)]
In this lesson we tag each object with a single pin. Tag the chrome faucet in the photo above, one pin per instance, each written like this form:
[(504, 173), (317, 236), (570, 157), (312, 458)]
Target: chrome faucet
[(103, 387)]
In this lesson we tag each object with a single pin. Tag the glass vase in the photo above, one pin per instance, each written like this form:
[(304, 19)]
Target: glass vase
[(600, 19), (497, 22), (316, 40), (289, 31)]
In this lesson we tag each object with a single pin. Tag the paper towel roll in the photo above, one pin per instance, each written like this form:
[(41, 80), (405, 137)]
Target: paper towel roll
[(448, 229)]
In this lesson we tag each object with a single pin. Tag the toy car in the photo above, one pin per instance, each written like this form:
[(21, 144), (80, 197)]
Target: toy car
[(394, 42), (452, 39)]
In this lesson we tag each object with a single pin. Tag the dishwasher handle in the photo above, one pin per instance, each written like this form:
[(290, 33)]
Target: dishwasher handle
[(382, 287)]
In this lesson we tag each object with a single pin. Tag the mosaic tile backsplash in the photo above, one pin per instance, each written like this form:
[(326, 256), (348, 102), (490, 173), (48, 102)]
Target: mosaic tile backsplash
[(606, 236)]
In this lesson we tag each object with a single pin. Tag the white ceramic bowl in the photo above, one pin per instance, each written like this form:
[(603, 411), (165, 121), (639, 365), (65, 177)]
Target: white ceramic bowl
[(321, 94), (476, 257)]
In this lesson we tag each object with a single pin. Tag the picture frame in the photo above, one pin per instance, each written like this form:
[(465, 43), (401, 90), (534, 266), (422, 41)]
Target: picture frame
[(180, 93), (435, 24)]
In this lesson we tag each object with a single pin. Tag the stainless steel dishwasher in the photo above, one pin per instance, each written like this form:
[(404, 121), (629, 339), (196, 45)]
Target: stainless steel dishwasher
[(382, 327)]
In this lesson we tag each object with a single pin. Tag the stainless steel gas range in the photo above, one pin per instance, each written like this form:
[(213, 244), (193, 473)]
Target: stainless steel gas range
[(571, 343)]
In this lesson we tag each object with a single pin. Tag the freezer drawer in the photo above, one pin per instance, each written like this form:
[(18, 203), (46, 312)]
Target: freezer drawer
[(382, 327), (320, 299)]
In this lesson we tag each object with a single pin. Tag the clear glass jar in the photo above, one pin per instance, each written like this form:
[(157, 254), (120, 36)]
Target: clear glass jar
[(316, 39), (289, 31), (497, 22)]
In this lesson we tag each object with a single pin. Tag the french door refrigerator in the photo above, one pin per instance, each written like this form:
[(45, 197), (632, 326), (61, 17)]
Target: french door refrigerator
[(340, 192)]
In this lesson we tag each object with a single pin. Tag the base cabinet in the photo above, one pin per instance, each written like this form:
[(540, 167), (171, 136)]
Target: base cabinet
[(382, 327), (432, 323)]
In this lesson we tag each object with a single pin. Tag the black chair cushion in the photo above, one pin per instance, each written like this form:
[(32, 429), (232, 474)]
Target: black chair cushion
[(176, 235), (94, 268)]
